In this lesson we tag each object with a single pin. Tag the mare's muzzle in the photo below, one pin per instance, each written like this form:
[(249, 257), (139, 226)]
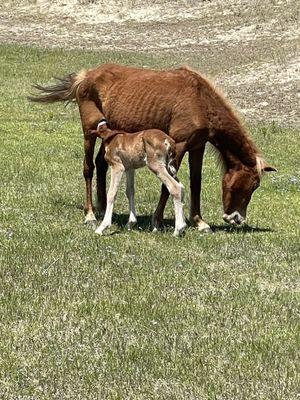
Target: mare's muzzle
[(234, 218)]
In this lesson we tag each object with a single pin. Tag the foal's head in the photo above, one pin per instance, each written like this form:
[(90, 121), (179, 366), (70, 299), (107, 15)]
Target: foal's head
[(238, 186), (103, 132)]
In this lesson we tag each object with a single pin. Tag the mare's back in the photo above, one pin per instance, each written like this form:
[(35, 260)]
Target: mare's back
[(134, 99)]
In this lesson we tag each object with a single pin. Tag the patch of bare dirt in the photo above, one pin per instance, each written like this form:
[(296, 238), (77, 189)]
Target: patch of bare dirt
[(250, 48)]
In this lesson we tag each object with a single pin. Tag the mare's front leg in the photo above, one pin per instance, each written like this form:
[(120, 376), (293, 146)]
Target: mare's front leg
[(164, 195), (130, 195), (195, 164), (116, 175)]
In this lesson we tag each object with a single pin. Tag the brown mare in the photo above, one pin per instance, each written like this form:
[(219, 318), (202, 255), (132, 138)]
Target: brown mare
[(180, 102)]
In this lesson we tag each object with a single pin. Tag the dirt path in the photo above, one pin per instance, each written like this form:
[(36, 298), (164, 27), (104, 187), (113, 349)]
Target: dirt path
[(250, 48)]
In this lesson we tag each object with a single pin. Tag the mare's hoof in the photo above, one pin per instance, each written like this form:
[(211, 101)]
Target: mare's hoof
[(203, 227), (91, 223), (156, 223)]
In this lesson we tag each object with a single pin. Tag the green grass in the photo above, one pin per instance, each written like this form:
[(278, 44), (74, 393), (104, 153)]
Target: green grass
[(136, 315)]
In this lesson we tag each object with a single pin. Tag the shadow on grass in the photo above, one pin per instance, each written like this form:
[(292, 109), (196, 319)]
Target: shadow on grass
[(239, 229), (144, 222)]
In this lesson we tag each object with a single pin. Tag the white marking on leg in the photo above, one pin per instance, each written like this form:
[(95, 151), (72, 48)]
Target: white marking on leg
[(180, 224), (116, 175), (130, 195), (177, 191), (203, 226), (90, 218)]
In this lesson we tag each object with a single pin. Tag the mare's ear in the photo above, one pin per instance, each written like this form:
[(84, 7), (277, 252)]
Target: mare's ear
[(268, 168), (263, 166)]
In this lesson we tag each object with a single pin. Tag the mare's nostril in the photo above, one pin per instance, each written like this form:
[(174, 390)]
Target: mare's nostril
[(237, 219)]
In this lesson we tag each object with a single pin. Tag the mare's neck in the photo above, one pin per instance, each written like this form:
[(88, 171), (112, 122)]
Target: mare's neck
[(235, 146)]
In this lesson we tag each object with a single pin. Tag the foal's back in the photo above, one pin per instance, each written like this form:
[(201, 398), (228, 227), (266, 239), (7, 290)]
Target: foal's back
[(127, 149), (135, 150)]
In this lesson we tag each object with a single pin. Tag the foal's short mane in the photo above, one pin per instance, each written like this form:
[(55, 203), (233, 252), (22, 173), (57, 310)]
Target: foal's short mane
[(227, 127)]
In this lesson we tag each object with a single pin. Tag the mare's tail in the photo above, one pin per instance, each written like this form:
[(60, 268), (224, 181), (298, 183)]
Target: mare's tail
[(64, 90)]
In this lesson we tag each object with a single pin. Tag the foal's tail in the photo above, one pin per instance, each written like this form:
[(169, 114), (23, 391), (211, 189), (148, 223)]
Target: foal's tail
[(64, 90)]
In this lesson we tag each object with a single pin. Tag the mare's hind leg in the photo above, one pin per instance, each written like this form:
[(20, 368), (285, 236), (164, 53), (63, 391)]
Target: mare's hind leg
[(195, 164), (101, 168), (130, 195), (88, 170), (90, 116), (164, 195)]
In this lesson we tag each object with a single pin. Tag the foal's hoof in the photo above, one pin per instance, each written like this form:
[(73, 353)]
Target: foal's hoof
[(180, 231)]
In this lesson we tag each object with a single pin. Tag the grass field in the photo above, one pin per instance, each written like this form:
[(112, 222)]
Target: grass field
[(136, 315)]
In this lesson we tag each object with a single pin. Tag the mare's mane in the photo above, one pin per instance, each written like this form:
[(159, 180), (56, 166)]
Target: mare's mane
[(237, 135)]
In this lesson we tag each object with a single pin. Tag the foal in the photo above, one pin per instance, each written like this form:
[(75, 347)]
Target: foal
[(127, 152)]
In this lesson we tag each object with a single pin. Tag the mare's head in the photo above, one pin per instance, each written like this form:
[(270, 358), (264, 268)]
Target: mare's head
[(238, 185)]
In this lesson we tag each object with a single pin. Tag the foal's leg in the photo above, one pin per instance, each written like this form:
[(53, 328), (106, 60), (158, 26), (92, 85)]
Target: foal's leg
[(164, 195), (116, 175), (130, 195), (177, 191), (88, 170), (101, 168), (195, 164)]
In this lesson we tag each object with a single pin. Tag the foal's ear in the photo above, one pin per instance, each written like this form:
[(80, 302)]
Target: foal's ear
[(107, 135), (268, 168)]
